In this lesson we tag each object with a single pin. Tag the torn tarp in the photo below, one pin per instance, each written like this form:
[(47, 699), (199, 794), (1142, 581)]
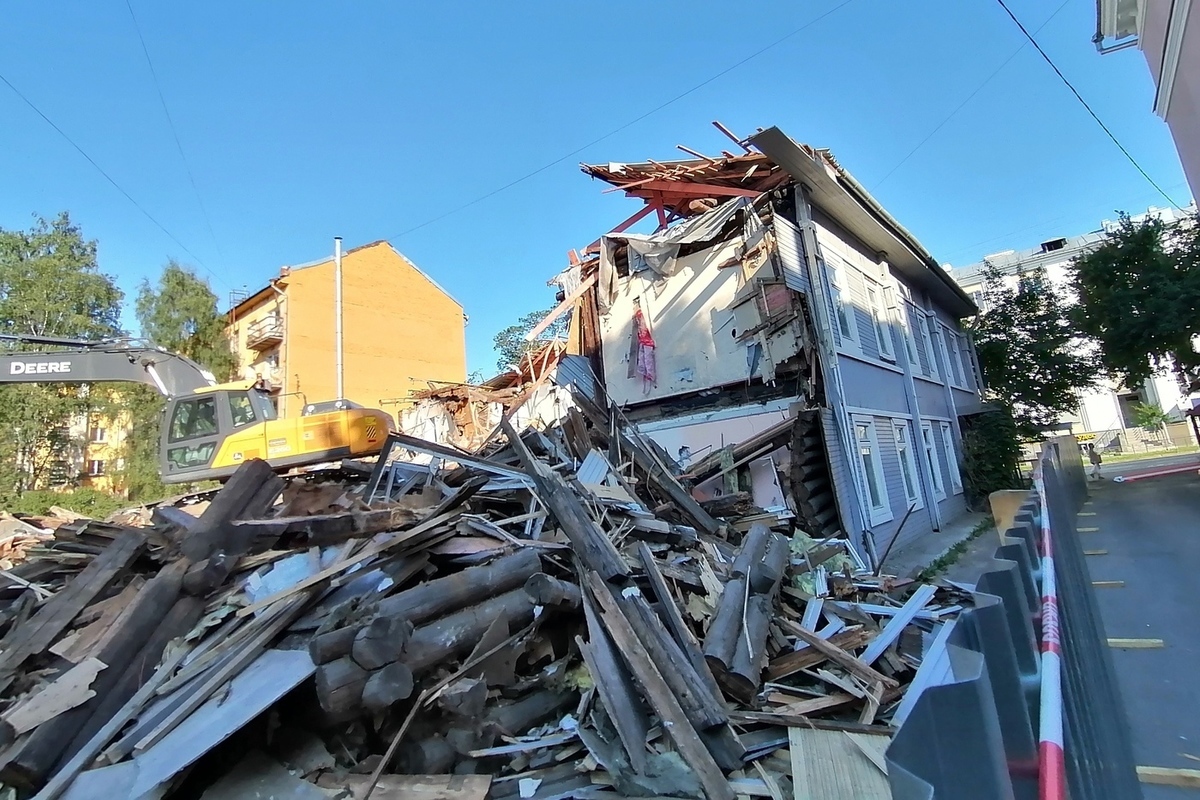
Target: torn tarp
[(658, 251)]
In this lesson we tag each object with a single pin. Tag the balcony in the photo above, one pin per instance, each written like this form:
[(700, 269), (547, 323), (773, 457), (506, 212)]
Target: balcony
[(264, 333)]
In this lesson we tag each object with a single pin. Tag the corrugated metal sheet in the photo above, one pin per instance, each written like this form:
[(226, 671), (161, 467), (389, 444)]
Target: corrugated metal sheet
[(575, 372), (791, 255)]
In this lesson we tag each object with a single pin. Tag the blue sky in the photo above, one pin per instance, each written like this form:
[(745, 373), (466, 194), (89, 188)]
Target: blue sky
[(302, 121)]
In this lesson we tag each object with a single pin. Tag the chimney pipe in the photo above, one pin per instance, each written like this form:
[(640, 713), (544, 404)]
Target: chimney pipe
[(337, 317)]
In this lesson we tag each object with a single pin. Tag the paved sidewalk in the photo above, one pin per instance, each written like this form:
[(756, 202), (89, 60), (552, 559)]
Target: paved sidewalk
[(911, 559)]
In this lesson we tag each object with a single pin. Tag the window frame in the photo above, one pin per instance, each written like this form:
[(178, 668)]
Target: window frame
[(934, 371), (910, 336), (956, 483), (95, 471), (97, 434), (879, 317), (881, 513), (905, 453), (839, 298), (933, 461), (953, 341)]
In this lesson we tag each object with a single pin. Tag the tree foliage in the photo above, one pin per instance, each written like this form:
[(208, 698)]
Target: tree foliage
[(991, 455), (1033, 359), (1149, 416), (1139, 298), (510, 344), (178, 313), (50, 285)]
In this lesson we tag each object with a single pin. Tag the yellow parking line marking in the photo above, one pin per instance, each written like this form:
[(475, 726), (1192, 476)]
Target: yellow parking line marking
[(1136, 644), (1095, 552), (1087, 502), (1088, 530), (1087, 513), (1166, 776), (1109, 584)]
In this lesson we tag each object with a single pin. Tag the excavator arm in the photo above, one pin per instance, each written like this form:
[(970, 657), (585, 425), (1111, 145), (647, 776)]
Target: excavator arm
[(122, 360)]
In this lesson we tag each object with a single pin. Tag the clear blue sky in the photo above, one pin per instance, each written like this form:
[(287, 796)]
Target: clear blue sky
[(302, 121)]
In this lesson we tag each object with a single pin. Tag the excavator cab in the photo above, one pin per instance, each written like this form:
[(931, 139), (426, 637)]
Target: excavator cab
[(206, 435)]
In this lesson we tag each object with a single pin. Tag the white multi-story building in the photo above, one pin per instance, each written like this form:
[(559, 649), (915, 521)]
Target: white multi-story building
[(1108, 410)]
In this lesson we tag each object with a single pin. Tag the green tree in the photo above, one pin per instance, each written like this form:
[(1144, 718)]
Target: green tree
[(510, 344), (1139, 298), (1034, 360), (178, 313), (50, 285), (1149, 416)]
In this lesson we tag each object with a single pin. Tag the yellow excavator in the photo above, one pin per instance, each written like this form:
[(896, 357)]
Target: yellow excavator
[(208, 428)]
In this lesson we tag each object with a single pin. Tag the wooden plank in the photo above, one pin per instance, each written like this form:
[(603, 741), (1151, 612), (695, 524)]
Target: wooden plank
[(558, 311), (1109, 584), (829, 764), (1095, 552), (71, 689), (36, 635), (1167, 776), (616, 689), (835, 654), (896, 625), (413, 787), (675, 723)]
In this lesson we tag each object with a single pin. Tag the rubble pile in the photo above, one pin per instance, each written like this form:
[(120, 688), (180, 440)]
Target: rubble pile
[(552, 616)]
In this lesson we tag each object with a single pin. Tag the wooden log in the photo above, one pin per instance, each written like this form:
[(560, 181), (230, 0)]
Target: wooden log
[(387, 686), (204, 577), (516, 718), (457, 634), (325, 647), (721, 639), (548, 591), (751, 553), (750, 655), (615, 685), (39, 632), (674, 722), (37, 754), (766, 575), (340, 685), (380, 642), (438, 597), (243, 495), (465, 697), (177, 518), (430, 756), (590, 542), (703, 709)]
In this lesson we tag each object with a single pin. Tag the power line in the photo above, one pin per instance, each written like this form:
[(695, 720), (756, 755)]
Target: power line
[(174, 133), (107, 177), (968, 99), (628, 124), (1084, 103)]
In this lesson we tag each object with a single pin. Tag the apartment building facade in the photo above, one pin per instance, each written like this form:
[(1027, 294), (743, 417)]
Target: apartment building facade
[(1107, 410), (400, 330), (793, 327)]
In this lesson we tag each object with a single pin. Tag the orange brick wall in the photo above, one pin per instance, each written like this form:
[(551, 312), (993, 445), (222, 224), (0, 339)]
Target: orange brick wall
[(399, 330)]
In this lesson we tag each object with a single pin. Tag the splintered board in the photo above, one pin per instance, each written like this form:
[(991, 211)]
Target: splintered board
[(830, 765)]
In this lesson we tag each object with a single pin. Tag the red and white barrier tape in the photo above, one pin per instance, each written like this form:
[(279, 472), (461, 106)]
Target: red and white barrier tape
[(1052, 774)]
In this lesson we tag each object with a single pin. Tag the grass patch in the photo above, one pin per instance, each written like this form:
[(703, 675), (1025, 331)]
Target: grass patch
[(1117, 458), (951, 556)]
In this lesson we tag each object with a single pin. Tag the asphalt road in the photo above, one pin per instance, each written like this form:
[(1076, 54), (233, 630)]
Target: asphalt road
[(1151, 530), (1111, 469)]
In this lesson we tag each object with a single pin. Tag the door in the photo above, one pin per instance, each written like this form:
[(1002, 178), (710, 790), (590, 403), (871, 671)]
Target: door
[(191, 434)]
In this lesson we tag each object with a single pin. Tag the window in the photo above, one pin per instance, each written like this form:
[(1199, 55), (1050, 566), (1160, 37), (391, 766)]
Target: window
[(872, 469), (934, 461), (932, 368), (908, 466), (95, 468), (842, 310), (910, 341), (883, 337), (193, 418), (97, 435), (241, 409), (955, 356), (951, 458)]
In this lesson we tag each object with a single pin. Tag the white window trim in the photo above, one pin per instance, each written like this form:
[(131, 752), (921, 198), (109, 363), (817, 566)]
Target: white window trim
[(840, 299), (953, 340), (903, 433), (910, 337), (881, 513), (935, 370), (933, 461), (880, 319), (951, 459)]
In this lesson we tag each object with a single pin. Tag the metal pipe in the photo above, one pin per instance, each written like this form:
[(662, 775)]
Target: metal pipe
[(337, 316)]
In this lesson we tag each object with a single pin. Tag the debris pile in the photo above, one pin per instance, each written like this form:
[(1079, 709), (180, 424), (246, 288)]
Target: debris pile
[(552, 616)]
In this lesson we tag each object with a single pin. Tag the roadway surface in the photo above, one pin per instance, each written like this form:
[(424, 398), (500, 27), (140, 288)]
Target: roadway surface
[(1151, 531)]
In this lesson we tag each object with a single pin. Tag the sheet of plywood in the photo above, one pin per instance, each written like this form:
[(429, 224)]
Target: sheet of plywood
[(828, 765)]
